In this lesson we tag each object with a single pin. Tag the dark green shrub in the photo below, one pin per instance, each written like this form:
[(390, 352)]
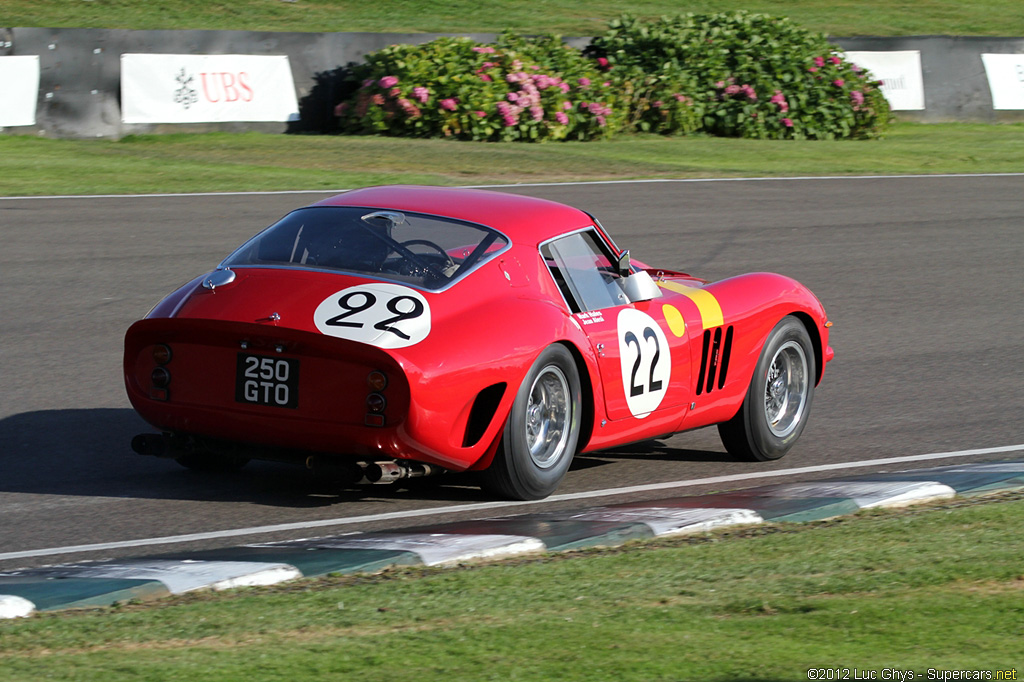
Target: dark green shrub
[(749, 75)]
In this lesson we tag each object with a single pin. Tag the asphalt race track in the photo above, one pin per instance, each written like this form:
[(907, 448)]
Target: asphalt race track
[(920, 275)]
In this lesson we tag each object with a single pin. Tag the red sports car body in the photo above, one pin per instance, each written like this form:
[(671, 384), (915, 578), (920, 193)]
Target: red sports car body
[(426, 329)]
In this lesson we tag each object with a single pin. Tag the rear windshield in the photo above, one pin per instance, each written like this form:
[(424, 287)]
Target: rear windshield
[(425, 251)]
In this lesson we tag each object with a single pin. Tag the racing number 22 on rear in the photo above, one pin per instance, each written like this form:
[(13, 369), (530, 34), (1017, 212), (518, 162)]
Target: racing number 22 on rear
[(264, 380)]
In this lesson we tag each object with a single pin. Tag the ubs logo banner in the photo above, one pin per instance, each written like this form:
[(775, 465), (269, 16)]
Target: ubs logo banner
[(176, 88)]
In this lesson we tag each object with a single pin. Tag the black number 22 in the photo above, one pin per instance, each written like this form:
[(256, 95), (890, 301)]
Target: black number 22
[(652, 384), (358, 301)]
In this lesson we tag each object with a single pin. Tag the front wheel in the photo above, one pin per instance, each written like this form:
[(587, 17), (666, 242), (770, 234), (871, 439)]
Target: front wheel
[(542, 430), (778, 402)]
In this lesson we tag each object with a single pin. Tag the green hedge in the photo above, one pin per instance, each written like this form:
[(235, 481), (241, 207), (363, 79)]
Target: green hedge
[(752, 75), (737, 74)]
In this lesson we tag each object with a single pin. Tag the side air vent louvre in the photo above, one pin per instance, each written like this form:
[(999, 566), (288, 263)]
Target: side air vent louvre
[(482, 412), (714, 360)]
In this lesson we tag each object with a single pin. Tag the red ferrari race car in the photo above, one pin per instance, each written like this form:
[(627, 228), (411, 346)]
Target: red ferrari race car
[(405, 331)]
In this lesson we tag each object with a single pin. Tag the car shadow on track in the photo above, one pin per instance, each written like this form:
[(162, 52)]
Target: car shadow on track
[(656, 450), (87, 453)]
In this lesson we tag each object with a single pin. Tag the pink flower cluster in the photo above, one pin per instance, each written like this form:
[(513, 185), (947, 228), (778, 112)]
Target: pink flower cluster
[(780, 99), (528, 97), (732, 89), (410, 109), (819, 62), (487, 65), (598, 110), (857, 97)]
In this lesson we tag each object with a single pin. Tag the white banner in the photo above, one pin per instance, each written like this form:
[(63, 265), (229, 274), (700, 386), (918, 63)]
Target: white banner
[(900, 73), (181, 88), (1005, 79), (19, 90)]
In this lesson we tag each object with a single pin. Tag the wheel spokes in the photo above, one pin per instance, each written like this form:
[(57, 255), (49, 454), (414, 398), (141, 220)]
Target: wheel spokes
[(548, 416), (785, 390)]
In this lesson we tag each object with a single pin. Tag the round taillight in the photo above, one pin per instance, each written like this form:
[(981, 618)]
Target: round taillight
[(377, 381), (160, 377), (375, 402), (161, 354)]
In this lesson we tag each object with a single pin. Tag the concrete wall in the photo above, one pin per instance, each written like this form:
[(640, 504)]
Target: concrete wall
[(79, 92), (955, 85)]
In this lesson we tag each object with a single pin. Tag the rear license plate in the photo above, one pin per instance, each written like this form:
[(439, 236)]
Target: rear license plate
[(263, 380)]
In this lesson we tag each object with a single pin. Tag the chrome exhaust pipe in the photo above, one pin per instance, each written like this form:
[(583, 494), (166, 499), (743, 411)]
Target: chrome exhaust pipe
[(382, 473)]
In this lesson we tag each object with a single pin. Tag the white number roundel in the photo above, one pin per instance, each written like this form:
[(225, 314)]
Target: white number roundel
[(646, 361), (382, 315)]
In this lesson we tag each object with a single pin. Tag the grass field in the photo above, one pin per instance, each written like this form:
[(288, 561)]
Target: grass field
[(253, 161), (835, 17), (937, 588)]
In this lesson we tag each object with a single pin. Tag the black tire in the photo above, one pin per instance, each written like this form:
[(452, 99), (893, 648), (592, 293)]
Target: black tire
[(542, 430), (778, 401), (212, 462)]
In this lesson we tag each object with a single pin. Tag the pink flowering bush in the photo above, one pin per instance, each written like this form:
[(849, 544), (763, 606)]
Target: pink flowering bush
[(750, 75), (734, 74), (516, 89)]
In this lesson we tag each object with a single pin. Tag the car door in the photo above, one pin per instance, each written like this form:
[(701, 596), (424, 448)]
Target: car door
[(642, 353)]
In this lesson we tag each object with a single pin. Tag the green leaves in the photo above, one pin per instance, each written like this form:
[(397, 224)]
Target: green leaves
[(734, 74), (714, 54)]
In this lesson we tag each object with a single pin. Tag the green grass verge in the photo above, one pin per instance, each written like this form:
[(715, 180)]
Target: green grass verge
[(259, 162), (567, 17), (939, 587)]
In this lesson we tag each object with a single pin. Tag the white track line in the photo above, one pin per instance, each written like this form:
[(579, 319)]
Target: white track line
[(528, 184), (483, 506)]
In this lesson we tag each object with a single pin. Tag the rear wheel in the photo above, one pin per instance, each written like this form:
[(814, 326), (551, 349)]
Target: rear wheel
[(542, 430), (778, 401)]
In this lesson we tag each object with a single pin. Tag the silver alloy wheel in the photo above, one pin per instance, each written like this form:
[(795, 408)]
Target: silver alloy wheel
[(785, 389), (548, 416)]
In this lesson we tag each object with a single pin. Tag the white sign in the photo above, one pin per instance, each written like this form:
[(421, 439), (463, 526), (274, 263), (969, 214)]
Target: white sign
[(19, 90), (382, 315), (181, 88), (900, 73), (1005, 79)]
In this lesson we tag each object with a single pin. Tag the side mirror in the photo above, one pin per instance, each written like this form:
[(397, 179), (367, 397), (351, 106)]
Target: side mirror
[(622, 264), (640, 287)]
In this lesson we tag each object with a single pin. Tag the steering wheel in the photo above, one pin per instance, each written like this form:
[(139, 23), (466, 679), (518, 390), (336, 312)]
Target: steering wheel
[(449, 262)]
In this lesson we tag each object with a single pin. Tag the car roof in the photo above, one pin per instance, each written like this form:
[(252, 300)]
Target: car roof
[(525, 220)]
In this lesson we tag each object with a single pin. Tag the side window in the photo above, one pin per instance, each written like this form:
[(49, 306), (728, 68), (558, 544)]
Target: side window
[(585, 272)]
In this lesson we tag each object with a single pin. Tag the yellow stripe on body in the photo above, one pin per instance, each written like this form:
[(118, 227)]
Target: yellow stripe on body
[(707, 304)]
